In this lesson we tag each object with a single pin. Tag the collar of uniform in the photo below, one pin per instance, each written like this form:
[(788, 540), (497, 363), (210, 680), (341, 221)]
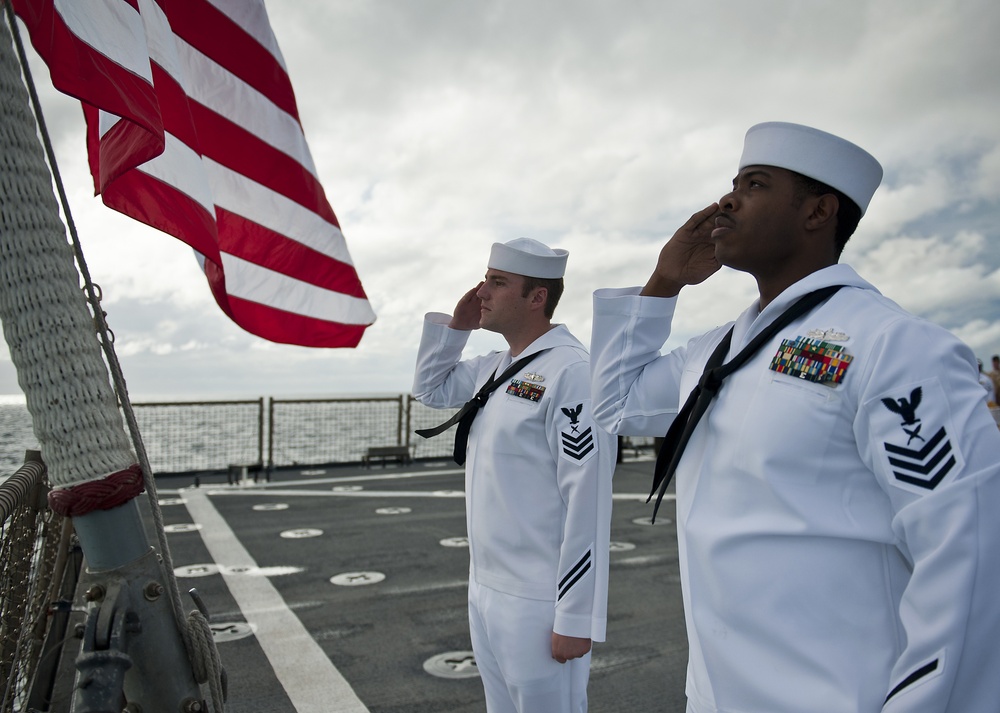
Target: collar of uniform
[(558, 336), (750, 323)]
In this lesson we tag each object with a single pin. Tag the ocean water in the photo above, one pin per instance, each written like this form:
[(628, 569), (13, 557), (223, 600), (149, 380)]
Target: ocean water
[(16, 435), (212, 435)]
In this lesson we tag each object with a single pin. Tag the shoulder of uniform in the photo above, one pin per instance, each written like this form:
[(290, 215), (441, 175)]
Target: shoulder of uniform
[(569, 356)]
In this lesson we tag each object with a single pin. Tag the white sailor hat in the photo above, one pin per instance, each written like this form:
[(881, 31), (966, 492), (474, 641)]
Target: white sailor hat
[(524, 256), (816, 154)]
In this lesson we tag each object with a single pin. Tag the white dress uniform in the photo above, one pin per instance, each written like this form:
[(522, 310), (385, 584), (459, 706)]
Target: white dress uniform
[(837, 505), (538, 508)]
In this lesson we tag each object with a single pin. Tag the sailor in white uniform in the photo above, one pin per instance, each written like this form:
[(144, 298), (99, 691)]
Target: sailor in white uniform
[(837, 501), (537, 480)]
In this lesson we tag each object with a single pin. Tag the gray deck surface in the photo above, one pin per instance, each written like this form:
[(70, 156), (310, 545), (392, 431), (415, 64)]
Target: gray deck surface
[(379, 635)]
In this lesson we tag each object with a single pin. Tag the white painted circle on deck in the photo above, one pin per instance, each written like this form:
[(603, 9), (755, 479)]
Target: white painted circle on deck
[(312, 472), (453, 664), (253, 571), (271, 506), (231, 631), (455, 542), (621, 546), (392, 511), (238, 569), (204, 570), (301, 533), (648, 521), (347, 488), (182, 527), (196, 570), (356, 579)]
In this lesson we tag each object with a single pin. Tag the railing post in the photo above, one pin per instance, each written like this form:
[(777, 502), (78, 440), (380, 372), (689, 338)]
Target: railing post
[(399, 423), (260, 432), (409, 416), (270, 436)]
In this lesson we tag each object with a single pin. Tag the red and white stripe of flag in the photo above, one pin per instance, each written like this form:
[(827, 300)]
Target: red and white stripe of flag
[(192, 128)]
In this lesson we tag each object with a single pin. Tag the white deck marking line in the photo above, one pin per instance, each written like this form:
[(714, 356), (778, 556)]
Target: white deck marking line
[(243, 487), (310, 679), (433, 586), (345, 493), (359, 478), (640, 497), (388, 494)]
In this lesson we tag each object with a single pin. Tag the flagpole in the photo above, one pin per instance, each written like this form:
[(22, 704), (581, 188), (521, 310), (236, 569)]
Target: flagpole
[(75, 416)]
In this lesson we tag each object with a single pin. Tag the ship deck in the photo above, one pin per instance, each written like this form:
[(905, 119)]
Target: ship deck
[(344, 589)]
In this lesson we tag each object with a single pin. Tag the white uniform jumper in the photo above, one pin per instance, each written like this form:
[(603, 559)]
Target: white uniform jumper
[(839, 540), (538, 508)]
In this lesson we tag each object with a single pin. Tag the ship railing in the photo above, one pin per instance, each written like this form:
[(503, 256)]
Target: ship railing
[(40, 561), (253, 437)]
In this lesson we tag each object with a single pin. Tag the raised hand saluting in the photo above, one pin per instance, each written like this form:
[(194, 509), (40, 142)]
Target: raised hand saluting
[(467, 311), (688, 257)]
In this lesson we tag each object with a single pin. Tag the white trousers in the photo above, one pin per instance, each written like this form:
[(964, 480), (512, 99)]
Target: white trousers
[(512, 641)]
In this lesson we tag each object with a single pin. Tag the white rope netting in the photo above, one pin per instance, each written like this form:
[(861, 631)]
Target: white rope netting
[(45, 318), (54, 344)]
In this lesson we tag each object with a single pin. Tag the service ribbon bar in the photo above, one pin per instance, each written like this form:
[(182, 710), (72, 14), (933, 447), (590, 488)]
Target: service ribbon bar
[(811, 360), (525, 390)]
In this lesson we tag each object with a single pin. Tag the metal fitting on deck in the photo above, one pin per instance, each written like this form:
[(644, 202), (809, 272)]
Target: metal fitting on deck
[(153, 591)]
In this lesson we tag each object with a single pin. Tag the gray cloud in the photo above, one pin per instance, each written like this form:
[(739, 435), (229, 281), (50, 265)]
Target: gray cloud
[(442, 126)]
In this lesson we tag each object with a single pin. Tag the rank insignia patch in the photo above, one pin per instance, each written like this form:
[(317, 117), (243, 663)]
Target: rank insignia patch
[(524, 390), (576, 572), (931, 459), (577, 438), (924, 467), (812, 360)]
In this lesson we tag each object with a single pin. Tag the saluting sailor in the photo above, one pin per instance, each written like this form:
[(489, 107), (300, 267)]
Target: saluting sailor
[(837, 474), (537, 481)]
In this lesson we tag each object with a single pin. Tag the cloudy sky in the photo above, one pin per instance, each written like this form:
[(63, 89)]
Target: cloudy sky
[(441, 126)]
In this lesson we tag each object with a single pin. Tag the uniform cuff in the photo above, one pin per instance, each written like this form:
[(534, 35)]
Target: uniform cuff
[(626, 302), (436, 325), (578, 625)]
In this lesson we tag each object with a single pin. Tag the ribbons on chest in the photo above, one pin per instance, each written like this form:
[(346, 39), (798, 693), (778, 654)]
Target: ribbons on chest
[(525, 389), (467, 414)]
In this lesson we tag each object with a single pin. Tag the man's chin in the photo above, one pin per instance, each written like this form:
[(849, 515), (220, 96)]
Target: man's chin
[(729, 260)]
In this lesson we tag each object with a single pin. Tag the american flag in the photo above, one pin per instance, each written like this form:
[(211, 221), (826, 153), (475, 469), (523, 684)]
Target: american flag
[(192, 128)]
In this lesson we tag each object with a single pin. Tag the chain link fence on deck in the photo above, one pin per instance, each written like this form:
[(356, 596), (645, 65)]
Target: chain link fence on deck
[(182, 437), (420, 416), (321, 431), (214, 436)]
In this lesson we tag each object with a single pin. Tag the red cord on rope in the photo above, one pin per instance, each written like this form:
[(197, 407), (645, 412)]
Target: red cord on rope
[(104, 494)]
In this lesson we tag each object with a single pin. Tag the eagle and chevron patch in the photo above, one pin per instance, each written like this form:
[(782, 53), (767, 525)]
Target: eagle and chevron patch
[(919, 452), (577, 440)]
